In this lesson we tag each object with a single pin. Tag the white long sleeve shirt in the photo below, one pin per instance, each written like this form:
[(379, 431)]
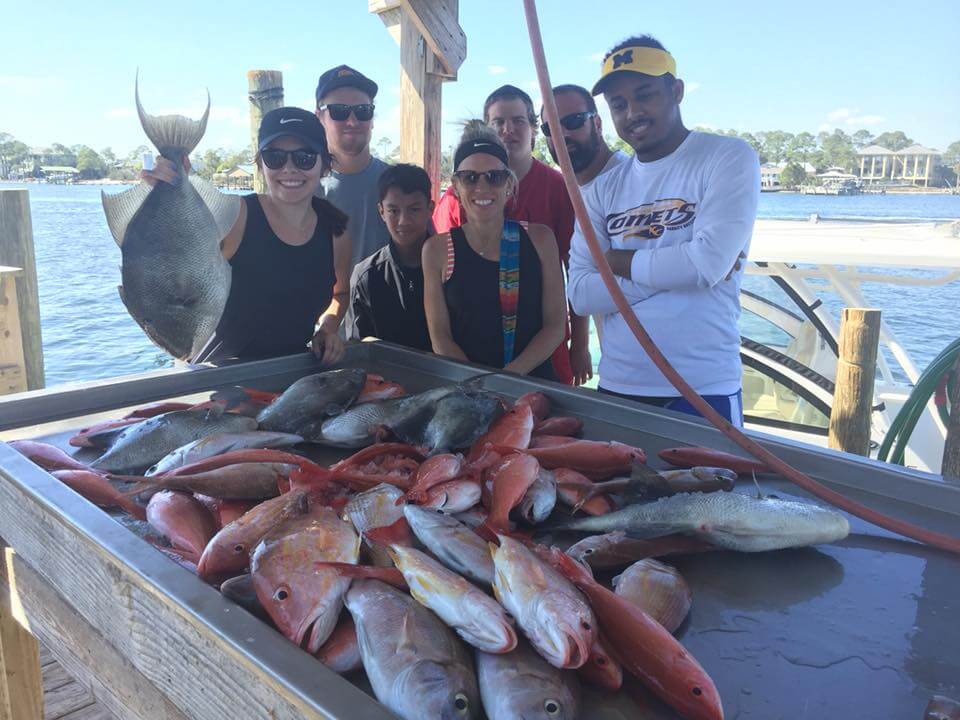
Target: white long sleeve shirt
[(687, 217)]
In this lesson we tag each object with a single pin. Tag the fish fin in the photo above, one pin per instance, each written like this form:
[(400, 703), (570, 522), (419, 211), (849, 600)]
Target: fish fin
[(120, 208), (224, 208), (171, 132), (138, 488), (397, 532), (391, 576), (756, 485)]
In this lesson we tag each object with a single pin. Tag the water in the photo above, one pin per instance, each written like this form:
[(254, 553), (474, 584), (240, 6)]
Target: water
[(88, 334)]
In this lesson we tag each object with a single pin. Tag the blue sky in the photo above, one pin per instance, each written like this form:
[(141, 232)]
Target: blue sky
[(67, 68)]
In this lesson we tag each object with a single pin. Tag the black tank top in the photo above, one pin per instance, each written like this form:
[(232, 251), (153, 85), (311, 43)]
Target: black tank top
[(277, 290), (473, 302)]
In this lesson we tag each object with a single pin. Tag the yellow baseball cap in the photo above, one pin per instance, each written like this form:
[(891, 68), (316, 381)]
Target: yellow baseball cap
[(636, 59)]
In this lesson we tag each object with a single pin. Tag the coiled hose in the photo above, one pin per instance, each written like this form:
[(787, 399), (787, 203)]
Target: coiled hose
[(936, 380)]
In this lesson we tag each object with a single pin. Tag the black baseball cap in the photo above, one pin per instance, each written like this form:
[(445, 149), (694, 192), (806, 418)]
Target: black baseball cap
[(344, 76), (295, 122)]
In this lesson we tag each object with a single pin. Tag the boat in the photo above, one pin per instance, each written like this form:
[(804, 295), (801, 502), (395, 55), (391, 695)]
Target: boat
[(789, 344)]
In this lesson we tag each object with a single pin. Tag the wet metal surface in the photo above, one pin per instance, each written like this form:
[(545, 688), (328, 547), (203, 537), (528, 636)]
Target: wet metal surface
[(867, 628)]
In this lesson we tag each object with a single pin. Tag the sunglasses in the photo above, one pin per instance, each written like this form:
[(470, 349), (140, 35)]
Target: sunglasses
[(573, 121), (276, 159), (340, 112), (495, 178)]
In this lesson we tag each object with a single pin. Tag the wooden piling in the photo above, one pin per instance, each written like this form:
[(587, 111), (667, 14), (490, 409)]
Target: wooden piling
[(950, 468), (16, 250), (856, 374), (21, 683), (265, 90)]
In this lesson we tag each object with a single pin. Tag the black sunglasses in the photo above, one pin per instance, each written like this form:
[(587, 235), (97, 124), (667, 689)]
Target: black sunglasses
[(574, 121), (276, 159), (495, 178), (340, 112)]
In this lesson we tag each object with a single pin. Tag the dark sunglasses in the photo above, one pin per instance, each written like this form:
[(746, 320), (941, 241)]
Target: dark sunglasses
[(276, 159), (495, 178), (573, 121), (340, 112)]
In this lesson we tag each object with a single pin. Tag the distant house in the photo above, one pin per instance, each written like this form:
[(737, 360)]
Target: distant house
[(240, 177), (912, 165), (770, 175), (59, 173)]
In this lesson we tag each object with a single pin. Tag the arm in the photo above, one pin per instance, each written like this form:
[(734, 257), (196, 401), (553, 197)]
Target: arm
[(326, 343), (580, 361), (542, 345), (359, 322), (721, 230), (434, 259)]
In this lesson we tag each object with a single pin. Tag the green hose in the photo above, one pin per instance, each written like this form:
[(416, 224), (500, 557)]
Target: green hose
[(903, 425)]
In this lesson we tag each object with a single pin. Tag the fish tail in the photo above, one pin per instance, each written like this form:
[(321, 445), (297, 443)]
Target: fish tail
[(140, 485), (171, 134), (395, 533)]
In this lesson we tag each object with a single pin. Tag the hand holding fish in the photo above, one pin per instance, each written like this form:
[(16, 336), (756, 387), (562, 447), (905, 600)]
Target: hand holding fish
[(327, 345), (164, 171)]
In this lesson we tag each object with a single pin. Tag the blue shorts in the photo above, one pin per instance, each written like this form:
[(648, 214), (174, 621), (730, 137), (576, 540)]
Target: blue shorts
[(730, 406)]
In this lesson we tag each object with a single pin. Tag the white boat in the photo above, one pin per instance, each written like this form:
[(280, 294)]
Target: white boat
[(789, 343)]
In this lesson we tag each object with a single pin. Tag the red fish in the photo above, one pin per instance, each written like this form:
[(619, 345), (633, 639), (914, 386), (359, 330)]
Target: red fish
[(341, 652), (512, 429), (47, 456), (225, 511), (537, 402), (454, 496), (597, 460), (560, 425), (602, 668), (374, 452), (376, 388), (433, 471), (98, 490), (157, 408), (647, 650), (687, 457), (184, 521), (573, 487), (389, 575), (511, 480)]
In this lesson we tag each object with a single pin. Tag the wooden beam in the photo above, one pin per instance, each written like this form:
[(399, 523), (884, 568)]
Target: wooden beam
[(13, 377), (21, 681), (437, 22), (265, 88), (950, 468), (16, 250), (856, 374), (420, 97)]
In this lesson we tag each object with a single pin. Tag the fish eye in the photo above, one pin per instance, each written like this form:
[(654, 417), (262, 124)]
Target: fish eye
[(239, 548), (697, 691), (600, 660), (461, 702), (281, 593), (551, 707), (588, 551), (585, 625)]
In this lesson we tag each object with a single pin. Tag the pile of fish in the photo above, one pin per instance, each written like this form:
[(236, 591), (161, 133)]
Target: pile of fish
[(421, 558)]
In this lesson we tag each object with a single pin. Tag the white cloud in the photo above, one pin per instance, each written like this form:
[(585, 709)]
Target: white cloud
[(287, 66), (496, 69), (29, 85), (865, 120), (120, 112), (532, 85), (690, 87), (596, 57), (850, 117), (395, 90), (231, 114), (839, 114)]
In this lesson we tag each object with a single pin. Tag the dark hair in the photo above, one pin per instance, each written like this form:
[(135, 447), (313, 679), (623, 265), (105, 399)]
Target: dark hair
[(576, 90), (406, 178), (510, 92), (641, 41)]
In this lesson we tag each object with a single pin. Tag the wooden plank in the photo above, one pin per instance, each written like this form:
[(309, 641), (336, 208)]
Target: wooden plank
[(856, 374), (90, 712), (55, 676), (21, 681), (389, 12), (265, 91), (16, 250), (950, 467), (46, 657), (437, 22), (420, 97), (66, 699)]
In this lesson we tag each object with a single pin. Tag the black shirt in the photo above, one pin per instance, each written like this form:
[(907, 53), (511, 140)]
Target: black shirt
[(473, 302), (386, 301), (277, 290)]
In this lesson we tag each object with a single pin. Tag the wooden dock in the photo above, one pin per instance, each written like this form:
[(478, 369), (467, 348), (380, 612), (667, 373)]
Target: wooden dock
[(63, 697)]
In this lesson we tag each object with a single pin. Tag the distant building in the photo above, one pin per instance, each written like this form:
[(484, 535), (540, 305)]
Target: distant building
[(770, 175), (912, 165), (240, 178)]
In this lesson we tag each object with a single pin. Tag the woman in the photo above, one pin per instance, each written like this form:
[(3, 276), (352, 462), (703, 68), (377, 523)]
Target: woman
[(493, 292), (289, 251)]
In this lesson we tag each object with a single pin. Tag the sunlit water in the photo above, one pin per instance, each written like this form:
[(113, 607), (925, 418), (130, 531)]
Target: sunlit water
[(87, 333)]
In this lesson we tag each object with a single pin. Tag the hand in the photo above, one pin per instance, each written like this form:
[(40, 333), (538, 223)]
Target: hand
[(580, 362), (164, 171), (619, 261), (736, 265), (328, 346)]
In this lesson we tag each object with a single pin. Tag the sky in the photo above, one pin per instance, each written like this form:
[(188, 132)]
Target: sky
[(67, 69)]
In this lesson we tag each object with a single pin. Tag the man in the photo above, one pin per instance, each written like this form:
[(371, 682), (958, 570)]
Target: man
[(386, 290), (582, 133), (674, 222), (345, 109), (541, 198)]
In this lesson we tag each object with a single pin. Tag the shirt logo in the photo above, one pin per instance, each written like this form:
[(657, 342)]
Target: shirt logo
[(284, 121), (345, 72), (650, 220), (624, 58)]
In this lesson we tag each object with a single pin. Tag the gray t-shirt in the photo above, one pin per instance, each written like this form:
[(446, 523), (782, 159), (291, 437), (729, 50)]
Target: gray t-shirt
[(356, 195)]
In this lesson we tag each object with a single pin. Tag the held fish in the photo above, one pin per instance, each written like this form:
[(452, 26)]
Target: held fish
[(306, 404), (175, 280), (416, 665), (734, 521)]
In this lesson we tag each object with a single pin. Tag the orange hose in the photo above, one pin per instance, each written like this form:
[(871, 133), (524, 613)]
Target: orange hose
[(901, 527)]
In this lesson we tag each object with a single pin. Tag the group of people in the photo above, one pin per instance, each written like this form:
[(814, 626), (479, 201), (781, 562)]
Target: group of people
[(498, 272)]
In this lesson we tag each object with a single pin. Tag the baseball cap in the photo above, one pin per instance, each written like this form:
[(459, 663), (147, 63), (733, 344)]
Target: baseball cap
[(640, 60), (345, 76), (295, 122)]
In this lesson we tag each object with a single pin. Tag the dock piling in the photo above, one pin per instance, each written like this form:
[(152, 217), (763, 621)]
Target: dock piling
[(856, 373), (16, 251), (950, 468), (265, 90)]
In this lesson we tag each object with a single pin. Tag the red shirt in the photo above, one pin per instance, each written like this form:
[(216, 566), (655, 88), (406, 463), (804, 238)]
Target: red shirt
[(542, 198)]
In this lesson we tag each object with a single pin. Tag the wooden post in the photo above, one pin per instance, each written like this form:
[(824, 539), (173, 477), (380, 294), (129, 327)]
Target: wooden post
[(16, 250), (432, 48), (13, 376), (266, 94), (856, 374), (950, 468), (21, 681)]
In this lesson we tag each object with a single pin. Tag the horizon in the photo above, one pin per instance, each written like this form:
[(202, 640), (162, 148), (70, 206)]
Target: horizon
[(76, 93)]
